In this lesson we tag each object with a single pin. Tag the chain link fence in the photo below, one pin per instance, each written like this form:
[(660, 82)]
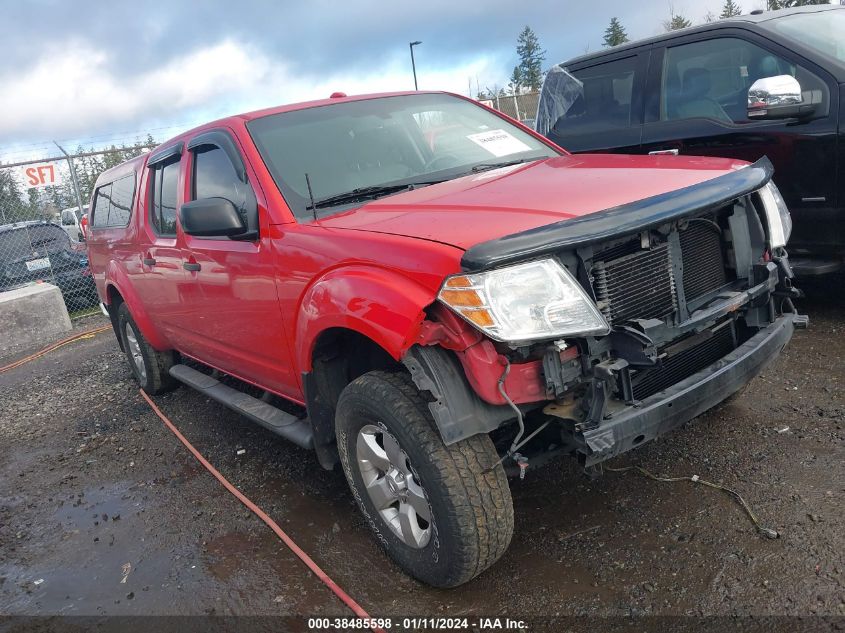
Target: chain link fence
[(43, 214), (522, 107)]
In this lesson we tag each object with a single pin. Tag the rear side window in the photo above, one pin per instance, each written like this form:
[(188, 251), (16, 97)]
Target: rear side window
[(113, 203), (100, 211), (591, 99), (163, 198), (122, 196)]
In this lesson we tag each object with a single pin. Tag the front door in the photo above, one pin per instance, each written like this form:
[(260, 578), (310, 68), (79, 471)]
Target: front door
[(237, 323), (699, 107)]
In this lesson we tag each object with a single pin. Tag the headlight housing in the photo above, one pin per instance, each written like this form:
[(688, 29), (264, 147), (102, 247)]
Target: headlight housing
[(524, 302), (777, 216)]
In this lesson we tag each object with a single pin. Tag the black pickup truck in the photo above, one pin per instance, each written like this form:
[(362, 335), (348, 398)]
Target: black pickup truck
[(766, 84)]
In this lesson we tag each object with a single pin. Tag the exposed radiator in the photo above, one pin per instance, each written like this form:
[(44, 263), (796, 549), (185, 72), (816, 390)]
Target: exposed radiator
[(704, 264), (637, 286), (675, 368)]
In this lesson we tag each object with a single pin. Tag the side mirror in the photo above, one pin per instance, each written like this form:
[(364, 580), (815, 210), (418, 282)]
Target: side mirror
[(777, 97), (211, 217)]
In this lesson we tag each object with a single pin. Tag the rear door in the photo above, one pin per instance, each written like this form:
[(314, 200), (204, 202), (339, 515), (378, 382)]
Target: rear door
[(598, 106), (697, 105), (160, 278)]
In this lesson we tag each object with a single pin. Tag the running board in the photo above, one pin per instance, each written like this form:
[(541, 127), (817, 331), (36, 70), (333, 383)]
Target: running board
[(279, 422)]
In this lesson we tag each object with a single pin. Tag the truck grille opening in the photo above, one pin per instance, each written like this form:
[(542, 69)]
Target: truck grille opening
[(704, 263), (635, 283), (636, 286), (683, 364)]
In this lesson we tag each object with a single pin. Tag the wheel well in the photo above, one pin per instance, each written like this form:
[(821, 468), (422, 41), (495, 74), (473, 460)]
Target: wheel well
[(115, 299), (339, 357)]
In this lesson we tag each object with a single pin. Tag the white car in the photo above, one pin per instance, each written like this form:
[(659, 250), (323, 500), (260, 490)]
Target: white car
[(70, 222)]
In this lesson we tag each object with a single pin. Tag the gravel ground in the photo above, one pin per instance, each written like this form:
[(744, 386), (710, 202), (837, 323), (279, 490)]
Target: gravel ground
[(103, 511)]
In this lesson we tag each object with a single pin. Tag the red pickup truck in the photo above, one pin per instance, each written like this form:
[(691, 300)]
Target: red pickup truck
[(433, 296)]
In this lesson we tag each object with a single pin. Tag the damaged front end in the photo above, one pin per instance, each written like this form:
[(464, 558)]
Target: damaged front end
[(693, 293)]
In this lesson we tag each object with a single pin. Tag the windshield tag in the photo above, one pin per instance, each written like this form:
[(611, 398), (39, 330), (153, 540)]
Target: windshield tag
[(499, 143)]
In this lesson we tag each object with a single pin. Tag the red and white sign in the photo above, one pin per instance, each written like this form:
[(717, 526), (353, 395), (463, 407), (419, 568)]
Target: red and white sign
[(43, 175)]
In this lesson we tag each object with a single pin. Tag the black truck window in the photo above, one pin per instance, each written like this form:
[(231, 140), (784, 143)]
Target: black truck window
[(710, 79)]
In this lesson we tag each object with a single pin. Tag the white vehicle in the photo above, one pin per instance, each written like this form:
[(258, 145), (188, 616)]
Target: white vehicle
[(69, 219)]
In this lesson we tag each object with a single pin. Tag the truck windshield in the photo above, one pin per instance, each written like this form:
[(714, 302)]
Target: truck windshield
[(823, 31), (375, 146)]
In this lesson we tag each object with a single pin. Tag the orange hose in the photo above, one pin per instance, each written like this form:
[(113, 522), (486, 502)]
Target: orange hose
[(54, 346), (305, 558)]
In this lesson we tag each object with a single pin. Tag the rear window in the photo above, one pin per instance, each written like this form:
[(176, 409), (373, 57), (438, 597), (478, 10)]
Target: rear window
[(113, 203), (48, 237), (39, 238)]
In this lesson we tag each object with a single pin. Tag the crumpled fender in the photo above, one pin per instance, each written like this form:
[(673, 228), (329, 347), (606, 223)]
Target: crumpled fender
[(117, 278), (378, 303)]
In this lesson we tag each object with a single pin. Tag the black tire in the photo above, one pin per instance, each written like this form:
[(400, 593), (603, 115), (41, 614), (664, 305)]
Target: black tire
[(156, 377), (471, 509)]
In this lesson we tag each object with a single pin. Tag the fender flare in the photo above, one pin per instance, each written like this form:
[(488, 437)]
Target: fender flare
[(117, 278), (383, 305)]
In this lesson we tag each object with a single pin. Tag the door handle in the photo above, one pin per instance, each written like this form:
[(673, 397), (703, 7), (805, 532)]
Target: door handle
[(192, 266), (664, 152), (149, 261)]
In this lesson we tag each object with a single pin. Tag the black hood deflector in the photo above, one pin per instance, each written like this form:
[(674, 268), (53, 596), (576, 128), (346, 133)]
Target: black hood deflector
[(618, 221)]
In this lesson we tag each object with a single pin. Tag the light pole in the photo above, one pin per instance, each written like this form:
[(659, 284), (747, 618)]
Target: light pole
[(413, 65)]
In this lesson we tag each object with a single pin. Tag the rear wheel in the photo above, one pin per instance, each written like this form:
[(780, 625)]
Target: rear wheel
[(150, 367), (443, 513)]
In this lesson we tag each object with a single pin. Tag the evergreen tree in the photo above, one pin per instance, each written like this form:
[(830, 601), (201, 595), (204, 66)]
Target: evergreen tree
[(531, 58), (615, 34), (676, 22), (730, 9), (515, 83), (13, 208)]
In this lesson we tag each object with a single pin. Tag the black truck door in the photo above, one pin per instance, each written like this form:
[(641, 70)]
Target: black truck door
[(696, 104)]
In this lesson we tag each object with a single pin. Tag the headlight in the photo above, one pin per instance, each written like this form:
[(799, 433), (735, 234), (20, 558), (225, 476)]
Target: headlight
[(777, 216), (525, 302)]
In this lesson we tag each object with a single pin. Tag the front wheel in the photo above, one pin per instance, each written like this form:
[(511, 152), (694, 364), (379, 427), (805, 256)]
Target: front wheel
[(443, 513)]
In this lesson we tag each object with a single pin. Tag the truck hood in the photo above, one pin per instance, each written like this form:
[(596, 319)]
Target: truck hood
[(485, 206)]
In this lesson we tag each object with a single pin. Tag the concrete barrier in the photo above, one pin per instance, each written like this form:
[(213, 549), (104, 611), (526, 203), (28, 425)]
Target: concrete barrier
[(31, 316)]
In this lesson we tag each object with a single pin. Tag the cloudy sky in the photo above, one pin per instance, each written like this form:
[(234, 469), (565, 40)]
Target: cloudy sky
[(94, 72)]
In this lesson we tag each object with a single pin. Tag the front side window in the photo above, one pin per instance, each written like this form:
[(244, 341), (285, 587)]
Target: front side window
[(215, 177), (163, 198), (375, 143), (592, 99), (710, 79)]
